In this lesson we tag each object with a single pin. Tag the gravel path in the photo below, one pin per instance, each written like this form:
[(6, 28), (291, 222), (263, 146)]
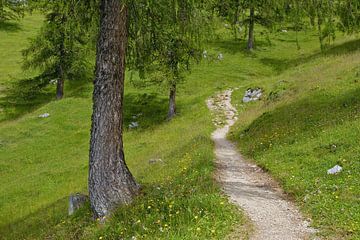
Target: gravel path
[(254, 191)]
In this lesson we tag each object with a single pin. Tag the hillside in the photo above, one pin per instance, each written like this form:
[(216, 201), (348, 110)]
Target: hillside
[(310, 104)]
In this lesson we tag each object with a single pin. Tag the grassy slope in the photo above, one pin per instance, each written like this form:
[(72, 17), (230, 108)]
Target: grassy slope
[(311, 125), (42, 161)]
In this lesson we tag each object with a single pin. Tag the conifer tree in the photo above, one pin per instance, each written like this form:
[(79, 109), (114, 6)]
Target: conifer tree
[(167, 40), (61, 48), (251, 12)]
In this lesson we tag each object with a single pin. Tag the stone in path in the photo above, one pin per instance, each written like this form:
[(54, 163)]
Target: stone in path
[(254, 191)]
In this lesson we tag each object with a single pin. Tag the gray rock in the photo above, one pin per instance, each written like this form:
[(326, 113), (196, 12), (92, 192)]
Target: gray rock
[(133, 125), (205, 54), (252, 95), (336, 169), (45, 115), (76, 201), (54, 81), (155, 160), (220, 57)]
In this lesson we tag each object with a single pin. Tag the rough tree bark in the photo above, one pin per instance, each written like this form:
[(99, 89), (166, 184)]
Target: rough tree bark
[(250, 44), (172, 102), (110, 181)]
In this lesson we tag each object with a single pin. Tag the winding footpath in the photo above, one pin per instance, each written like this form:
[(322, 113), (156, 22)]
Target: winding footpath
[(251, 189)]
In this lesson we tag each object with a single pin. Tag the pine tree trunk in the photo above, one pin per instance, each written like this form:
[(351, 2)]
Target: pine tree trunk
[(110, 181), (172, 102), (61, 80), (250, 44), (319, 23), (60, 84)]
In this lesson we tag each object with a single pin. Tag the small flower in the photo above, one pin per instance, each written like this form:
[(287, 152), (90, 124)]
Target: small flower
[(100, 237), (198, 229), (196, 217)]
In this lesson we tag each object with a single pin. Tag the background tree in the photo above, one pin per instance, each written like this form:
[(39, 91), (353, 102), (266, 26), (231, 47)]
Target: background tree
[(110, 181), (62, 47), (349, 15), (167, 40), (11, 10), (263, 12), (297, 13)]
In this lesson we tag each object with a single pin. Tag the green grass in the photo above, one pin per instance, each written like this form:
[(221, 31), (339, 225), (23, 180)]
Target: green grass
[(43, 161), (307, 122)]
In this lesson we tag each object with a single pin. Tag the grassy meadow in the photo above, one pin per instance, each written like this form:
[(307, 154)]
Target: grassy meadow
[(310, 104)]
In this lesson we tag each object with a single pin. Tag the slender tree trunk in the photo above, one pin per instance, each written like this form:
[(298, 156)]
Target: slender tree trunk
[(236, 20), (60, 84), (319, 23), (2, 17), (61, 80), (250, 44), (172, 102), (110, 181)]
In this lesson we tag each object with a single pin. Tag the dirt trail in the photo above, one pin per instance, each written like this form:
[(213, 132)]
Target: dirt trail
[(273, 217)]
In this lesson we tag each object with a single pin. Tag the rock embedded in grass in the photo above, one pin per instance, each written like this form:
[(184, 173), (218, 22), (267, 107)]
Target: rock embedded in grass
[(133, 125), (155, 160), (45, 115), (335, 170), (76, 201), (252, 95)]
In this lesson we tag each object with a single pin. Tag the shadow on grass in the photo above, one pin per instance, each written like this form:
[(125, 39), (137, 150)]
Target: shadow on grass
[(146, 109), (24, 96), (33, 225), (239, 46), (9, 27), (307, 117), (280, 65), (184, 187)]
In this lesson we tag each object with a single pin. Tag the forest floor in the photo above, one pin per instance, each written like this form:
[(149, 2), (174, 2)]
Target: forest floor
[(249, 187)]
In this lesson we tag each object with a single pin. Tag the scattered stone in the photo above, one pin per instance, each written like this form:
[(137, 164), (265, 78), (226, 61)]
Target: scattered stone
[(53, 81), (284, 31), (336, 169), (45, 115), (205, 54), (133, 125), (76, 201), (252, 95), (226, 25), (137, 115), (220, 57), (155, 160)]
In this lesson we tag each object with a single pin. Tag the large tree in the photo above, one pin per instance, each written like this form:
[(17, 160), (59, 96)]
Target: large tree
[(110, 181)]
